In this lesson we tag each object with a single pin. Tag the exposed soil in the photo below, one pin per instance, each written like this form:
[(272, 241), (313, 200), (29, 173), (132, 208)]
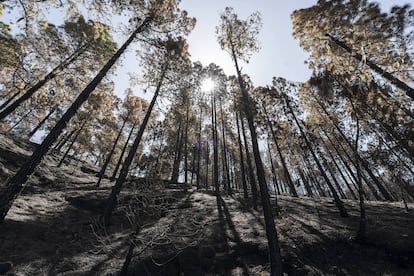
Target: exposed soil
[(53, 229)]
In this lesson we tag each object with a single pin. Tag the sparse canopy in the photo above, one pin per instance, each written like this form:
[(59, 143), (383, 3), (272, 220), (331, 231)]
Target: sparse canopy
[(239, 37)]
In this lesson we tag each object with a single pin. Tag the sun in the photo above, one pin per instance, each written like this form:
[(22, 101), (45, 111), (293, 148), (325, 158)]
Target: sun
[(207, 85)]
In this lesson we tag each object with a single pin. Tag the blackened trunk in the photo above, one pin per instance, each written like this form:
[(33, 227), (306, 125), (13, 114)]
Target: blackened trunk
[(341, 174), (382, 189), (20, 120), (118, 164), (242, 164), (5, 103), (16, 184), (42, 122), (33, 89), (226, 165), (338, 202), (215, 151), (71, 144), (252, 177), (292, 188), (271, 232), (108, 158), (305, 183), (333, 176), (64, 140), (395, 81), (272, 167), (112, 199), (186, 142), (199, 151), (177, 155)]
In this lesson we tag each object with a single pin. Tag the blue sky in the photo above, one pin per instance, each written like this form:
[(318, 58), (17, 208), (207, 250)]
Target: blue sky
[(280, 54)]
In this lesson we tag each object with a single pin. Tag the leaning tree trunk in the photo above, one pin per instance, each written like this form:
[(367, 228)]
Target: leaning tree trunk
[(108, 158), (6, 102), (333, 176), (382, 189), (118, 164), (20, 120), (42, 122), (338, 202), (292, 188), (361, 233), (72, 143), (252, 177), (64, 139), (275, 184), (242, 166), (348, 170), (271, 232), (305, 182), (16, 184), (364, 163), (340, 172), (395, 81), (33, 89), (116, 189)]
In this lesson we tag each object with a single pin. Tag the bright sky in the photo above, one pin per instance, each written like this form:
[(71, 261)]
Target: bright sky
[(280, 54)]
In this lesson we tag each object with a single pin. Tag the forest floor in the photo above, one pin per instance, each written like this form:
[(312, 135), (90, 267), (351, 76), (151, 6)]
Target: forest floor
[(53, 229)]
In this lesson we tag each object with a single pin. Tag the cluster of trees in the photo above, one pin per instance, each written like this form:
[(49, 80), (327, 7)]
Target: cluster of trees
[(346, 133)]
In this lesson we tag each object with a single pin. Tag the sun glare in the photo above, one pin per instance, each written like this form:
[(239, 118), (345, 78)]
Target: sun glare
[(207, 85)]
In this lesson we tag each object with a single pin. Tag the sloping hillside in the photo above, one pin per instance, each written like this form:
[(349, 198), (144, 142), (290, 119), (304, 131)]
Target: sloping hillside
[(53, 229)]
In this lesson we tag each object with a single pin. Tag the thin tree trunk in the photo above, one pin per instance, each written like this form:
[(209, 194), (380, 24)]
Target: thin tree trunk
[(395, 81), (272, 167), (348, 168), (186, 143), (249, 166), (292, 188), (193, 160), (271, 232), (339, 204), (215, 150), (333, 176), (71, 144), (108, 158), (226, 165), (112, 199), (275, 184), (42, 122), (177, 155), (242, 164), (383, 191), (39, 84), (305, 183), (20, 120), (199, 151), (3, 105), (16, 184), (342, 175), (64, 140), (361, 233), (118, 164), (207, 163)]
